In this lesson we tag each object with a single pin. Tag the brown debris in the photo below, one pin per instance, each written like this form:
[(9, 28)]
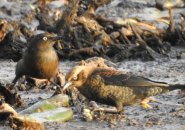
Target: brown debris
[(59, 79), (16, 121), (93, 26), (97, 62), (13, 42), (86, 34), (6, 111), (4, 29), (43, 3), (9, 96), (21, 122), (88, 52), (112, 39), (68, 17), (171, 26)]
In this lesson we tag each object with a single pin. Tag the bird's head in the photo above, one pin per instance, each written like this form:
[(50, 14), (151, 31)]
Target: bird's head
[(77, 76), (44, 40)]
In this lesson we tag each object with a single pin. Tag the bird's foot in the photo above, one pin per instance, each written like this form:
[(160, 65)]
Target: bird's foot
[(144, 103), (146, 106), (87, 114)]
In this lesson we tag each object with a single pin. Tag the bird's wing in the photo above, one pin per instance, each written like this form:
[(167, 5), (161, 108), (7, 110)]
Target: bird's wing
[(113, 77)]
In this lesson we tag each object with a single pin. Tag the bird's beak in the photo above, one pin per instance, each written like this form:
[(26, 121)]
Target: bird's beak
[(55, 38), (66, 85)]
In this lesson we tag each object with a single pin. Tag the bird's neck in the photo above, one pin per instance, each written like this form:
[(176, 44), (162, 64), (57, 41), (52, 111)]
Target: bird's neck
[(44, 47), (90, 69), (41, 48)]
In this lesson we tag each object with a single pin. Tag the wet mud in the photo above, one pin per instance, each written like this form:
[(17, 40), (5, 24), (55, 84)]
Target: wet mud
[(168, 111)]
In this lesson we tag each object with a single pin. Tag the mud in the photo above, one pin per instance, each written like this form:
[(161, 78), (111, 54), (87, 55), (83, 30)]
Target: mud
[(166, 114), (141, 9)]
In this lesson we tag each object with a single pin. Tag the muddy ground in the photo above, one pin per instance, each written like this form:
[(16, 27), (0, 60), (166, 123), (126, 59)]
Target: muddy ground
[(166, 114)]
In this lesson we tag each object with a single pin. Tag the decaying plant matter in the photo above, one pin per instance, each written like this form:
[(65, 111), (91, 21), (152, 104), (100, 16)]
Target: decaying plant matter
[(87, 34), (8, 95), (92, 35), (16, 121)]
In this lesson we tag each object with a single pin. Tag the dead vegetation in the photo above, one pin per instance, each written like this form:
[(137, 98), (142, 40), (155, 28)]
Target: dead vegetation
[(8, 95), (87, 34)]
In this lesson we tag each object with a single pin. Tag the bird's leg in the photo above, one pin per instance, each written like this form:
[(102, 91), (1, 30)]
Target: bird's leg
[(60, 78), (60, 81), (145, 102), (58, 88), (107, 110), (15, 79), (96, 107), (12, 86), (119, 106)]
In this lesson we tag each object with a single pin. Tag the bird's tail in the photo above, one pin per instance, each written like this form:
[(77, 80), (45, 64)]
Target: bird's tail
[(176, 86)]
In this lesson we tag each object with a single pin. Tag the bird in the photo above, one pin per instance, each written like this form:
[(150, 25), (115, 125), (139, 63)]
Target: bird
[(114, 87), (40, 59)]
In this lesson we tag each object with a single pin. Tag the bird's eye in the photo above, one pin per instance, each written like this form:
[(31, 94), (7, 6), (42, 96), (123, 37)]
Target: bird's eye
[(75, 77), (45, 38)]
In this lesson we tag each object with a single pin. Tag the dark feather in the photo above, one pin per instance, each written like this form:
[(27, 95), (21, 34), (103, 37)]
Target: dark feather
[(119, 78)]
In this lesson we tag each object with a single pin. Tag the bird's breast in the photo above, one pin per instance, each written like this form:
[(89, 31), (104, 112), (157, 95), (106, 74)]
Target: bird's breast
[(48, 64), (43, 64)]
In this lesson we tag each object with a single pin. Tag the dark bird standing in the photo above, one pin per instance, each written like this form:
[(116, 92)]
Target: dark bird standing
[(40, 59), (112, 87)]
